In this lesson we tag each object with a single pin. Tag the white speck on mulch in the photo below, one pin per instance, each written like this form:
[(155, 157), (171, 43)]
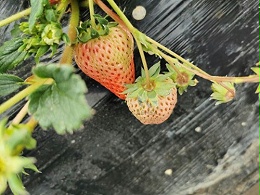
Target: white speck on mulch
[(168, 172), (139, 12), (198, 129)]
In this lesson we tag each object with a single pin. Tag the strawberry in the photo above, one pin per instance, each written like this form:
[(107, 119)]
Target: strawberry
[(155, 104), (108, 59)]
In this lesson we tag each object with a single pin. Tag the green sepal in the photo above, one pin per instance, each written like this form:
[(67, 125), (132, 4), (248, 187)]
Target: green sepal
[(66, 39), (54, 48), (221, 94), (86, 31), (16, 185), (32, 167), (101, 20), (40, 52)]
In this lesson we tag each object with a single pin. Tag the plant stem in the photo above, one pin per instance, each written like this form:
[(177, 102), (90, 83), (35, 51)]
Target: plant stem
[(121, 15), (196, 70), (67, 54), (19, 117), (32, 123), (15, 17), (62, 7), (134, 32), (226, 87), (147, 76), (111, 13), (91, 13), (21, 95), (184, 61)]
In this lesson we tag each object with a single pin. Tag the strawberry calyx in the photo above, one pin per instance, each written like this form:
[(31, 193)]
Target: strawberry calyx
[(160, 86), (87, 31), (221, 93), (181, 77)]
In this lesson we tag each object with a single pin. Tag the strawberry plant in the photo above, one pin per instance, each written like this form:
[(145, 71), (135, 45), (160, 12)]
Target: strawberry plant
[(102, 48)]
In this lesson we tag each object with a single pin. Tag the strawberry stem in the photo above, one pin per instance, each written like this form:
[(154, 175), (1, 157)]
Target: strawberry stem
[(32, 123), (121, 15), (133, 30), (146, 70), (196, 70), (19, 117), (22, 94), (175, 55), (92, 12), (15, 17), (67, 54)]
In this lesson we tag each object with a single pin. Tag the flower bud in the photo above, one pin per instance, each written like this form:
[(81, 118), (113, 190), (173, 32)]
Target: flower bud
[(51, 34)]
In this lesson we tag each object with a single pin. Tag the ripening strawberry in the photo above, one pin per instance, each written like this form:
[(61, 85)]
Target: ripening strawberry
[(153, 104), (108, 59)]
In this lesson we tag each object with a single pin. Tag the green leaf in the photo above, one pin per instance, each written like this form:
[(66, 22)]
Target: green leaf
[(10, 56), (40, 52), (50, 15), (37, 11), (62, 104), (155, 69), (9, 83)]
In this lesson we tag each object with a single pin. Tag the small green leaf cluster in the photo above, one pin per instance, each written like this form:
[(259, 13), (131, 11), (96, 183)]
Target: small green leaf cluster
[(12, 140), (45, 33), (35, 37), (87, 31), (160, 86)]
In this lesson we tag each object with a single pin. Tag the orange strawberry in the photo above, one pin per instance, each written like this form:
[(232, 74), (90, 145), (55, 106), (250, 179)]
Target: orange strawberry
[(108, 58), (154, 105)]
